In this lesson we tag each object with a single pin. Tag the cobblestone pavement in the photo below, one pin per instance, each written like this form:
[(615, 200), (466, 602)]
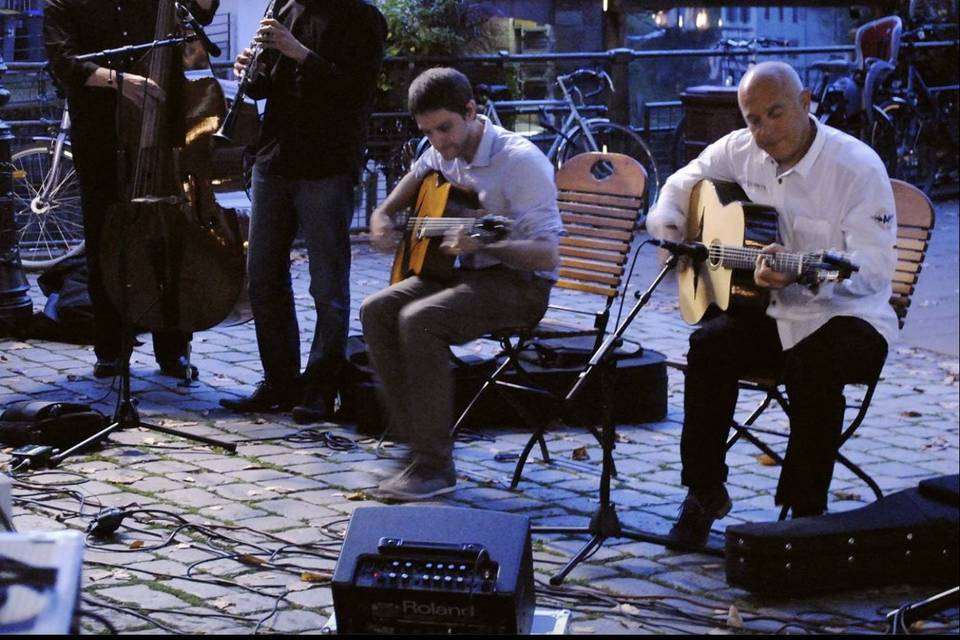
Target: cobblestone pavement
[(230, 560)]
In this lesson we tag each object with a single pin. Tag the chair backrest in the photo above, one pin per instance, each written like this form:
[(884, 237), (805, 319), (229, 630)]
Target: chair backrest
[(600, 196), (915, 220), (879, 39)]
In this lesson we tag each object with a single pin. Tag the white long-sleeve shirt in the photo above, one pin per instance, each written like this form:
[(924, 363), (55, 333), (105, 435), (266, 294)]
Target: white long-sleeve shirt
[(838, 197)]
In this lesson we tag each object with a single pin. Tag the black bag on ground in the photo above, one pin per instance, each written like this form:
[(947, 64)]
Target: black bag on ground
[(68, 313), (60, 425), (911, 537)]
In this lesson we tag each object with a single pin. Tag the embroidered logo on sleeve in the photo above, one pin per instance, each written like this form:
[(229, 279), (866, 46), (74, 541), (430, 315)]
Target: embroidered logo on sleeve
[(883, 218)]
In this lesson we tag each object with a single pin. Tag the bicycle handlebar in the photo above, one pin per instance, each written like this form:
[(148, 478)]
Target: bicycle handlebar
[(601, 76)]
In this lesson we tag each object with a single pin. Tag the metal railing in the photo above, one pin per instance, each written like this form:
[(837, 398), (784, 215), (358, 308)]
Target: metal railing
[(389, 130)]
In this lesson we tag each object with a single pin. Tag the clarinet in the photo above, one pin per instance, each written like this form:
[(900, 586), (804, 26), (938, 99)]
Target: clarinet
[(225, 132)]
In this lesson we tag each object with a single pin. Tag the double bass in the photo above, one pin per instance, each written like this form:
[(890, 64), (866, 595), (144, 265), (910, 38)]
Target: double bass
[(173, 258)]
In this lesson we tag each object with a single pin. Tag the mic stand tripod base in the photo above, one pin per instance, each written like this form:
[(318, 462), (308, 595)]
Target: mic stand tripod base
[(605, 523), (127, 417)]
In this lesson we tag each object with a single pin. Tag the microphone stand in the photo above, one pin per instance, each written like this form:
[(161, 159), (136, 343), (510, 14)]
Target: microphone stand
[(126, 415), (604, 523)]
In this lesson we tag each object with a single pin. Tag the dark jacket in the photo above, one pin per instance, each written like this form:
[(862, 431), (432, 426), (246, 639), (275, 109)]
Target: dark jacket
[(77, 27), (315, 121)]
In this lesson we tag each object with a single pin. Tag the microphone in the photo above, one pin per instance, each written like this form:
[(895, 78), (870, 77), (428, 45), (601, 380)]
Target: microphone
[(192, 23), (696, 250)]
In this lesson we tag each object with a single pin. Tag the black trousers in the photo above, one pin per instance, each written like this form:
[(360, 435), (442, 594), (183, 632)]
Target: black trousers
[(814, 371), (95, 161)]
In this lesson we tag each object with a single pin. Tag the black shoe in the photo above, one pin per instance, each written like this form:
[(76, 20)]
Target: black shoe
[(266, 398), (697, 514), (315, 407), (178, 369), (106, 368)]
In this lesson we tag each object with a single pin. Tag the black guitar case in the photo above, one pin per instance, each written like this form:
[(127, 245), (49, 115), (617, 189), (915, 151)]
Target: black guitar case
[(639, 387), (912, 537)]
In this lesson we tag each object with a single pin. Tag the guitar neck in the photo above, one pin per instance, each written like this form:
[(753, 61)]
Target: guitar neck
[(433, 227), (745, 258)]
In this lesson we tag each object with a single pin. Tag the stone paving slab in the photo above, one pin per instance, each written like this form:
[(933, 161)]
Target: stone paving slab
[(261, 529)]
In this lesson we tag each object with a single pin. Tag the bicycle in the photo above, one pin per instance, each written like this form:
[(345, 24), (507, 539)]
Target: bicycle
[(916, 127), (732, 68), (576, 133), (46, 198)]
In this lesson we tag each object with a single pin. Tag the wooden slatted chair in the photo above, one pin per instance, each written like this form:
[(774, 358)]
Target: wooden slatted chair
[(600, 196), (915, 220)]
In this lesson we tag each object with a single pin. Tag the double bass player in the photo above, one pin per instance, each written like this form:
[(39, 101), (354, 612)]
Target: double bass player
[(73, 28)]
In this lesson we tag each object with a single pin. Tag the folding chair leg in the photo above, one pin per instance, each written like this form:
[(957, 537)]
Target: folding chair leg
[(738, 429), (742, 431), (860, 473), (492, 380)]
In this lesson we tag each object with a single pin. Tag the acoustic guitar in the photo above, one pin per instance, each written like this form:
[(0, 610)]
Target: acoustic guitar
[(733, 229), (440, 207)]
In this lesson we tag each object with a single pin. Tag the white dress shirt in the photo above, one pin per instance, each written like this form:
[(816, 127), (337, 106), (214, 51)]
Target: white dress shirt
[(512, 178), (837, 197)]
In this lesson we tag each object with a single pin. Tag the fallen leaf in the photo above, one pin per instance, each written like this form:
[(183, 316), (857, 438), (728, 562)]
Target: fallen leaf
[(189, 479), (911, 414), (246, 558), (734, 619), (121, 575), (136, 544), (766, 460), (357, 496), (222, 603), (846, 495), (580, 453), (629, 609), (315, 576)]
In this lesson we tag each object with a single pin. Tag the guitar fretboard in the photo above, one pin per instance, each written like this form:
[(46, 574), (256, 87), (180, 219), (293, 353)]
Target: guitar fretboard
[(746, 258), (430, 227)]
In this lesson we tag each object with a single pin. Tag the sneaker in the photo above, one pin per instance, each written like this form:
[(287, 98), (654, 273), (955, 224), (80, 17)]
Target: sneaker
[(419, 482), (696, 517), (266, 398), (316, 406)]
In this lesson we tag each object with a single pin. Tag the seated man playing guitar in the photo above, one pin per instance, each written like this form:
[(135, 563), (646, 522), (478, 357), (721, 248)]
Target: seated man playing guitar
[(410, 326), (831, 192)]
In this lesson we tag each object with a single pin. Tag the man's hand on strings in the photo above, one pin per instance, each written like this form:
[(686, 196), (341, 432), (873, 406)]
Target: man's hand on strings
[(765, 275), (273, 35), (459, 242)]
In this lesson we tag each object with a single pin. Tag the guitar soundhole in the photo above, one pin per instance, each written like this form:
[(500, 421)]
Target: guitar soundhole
[(715, 259)]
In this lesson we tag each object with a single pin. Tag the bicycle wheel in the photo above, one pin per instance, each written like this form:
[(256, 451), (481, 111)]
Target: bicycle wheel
[(611, 137), (46, 208), (901, 139)]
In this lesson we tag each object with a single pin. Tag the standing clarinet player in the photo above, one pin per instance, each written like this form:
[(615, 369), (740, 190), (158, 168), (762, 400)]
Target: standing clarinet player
[(318, 73)]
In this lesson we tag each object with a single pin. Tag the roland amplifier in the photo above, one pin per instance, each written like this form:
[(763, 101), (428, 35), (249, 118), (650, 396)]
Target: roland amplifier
[(427, 569)]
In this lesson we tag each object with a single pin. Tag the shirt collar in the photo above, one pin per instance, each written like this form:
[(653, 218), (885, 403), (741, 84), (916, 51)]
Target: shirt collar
[(806, 162), (482, 156)]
